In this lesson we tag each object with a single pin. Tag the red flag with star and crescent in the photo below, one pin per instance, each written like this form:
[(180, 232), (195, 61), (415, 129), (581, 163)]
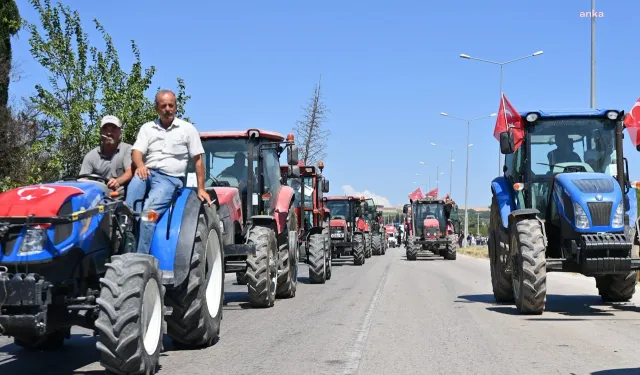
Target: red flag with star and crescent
[(37, 200), (632, 123), (509, 119)]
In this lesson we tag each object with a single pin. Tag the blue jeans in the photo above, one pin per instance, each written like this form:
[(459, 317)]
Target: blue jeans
[(160, 188)]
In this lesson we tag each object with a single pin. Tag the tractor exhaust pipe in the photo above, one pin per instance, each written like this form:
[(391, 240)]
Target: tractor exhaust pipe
[(620, 156)]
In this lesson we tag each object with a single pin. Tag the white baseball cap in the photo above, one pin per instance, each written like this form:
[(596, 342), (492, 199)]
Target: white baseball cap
[(111, 120)]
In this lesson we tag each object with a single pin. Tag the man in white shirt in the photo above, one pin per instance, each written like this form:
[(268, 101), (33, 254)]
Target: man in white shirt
[(160, 155)]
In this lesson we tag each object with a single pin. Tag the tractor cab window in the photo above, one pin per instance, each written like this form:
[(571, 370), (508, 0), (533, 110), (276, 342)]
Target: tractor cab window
[(424, 210), (567, 144), (308, 191), (339, 209), (225, 161), (271, 176)]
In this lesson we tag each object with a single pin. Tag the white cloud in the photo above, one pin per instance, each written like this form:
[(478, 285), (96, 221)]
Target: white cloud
[(379, 199)]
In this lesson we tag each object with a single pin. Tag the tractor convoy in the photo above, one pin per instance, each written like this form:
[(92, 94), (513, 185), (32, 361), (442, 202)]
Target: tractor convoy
[(68, 250)]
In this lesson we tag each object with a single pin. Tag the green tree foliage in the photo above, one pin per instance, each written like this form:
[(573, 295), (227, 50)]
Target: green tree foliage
[(9, 25), (85, 83)]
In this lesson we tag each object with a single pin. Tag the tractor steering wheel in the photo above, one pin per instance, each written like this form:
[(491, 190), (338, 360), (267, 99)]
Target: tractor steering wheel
[(91, 176)]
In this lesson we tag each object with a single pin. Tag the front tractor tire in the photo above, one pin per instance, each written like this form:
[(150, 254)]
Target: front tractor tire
[(501, 280), (328, 251), (262, 268), (358, 250), (197, 303), (529, 266), (317, 259), (367, 245), (412, 249), (288, 258), (131, 313), (376, 244), (240, 278)]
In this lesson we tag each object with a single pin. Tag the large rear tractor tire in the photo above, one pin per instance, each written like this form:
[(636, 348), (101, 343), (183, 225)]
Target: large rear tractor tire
[(262, 268), (358, 250), (197, 303), (367, 245), (288, 258), (328, 254), (412, 249), (501, 280), (450, 252), (131, 313), (529, 266), (376, 244), (317, 259)]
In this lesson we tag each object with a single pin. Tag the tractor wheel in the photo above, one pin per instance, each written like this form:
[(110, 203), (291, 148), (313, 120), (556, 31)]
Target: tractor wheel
[(328, 251), (412, 250), (288, 258), (52, 341), (358, 250), (197, 303), (130, 320), (501, 280), (376, 245), (451, 250), (367, 245), (240, 278), (529, 266), (317, 259), (619, 288), (262, 268)]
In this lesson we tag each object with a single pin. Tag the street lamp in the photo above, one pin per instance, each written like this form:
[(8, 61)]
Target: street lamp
[(465, 56), (466, 187), (452, 160)]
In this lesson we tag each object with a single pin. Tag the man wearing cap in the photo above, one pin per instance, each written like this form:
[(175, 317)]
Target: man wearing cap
[(112, 159)]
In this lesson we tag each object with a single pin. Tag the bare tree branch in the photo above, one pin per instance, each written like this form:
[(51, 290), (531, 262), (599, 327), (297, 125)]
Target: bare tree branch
[(311, 135)]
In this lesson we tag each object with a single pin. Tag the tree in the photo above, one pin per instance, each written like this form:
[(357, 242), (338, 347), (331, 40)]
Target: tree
[(9, 25), (85, 84), (310, 133)]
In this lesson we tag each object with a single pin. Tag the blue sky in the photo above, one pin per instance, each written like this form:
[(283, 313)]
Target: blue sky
[(388, 70)]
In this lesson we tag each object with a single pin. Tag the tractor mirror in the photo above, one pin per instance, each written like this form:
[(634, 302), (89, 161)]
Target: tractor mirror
[(292, 155), (507, 144), (294, 171), (325, 186)]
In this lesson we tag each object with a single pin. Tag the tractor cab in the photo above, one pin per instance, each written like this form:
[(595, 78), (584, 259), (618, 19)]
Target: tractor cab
[(310, 184), (567, 168)]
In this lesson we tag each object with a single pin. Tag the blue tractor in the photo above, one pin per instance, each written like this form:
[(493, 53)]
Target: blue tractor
[(564, 203), (67, 258)]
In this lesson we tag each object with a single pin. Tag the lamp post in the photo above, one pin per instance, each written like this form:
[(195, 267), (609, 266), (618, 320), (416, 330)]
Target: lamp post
[(466, 184), (451, 161), (465, 56), (593, 54)]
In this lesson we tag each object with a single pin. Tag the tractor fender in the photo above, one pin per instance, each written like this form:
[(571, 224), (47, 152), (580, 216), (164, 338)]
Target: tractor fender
[(264, 220), (283, 204), (174, 251), (503, 191), (315, 230)]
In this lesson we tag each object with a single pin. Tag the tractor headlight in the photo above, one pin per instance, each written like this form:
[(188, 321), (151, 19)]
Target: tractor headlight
[(531, 117), (612, 115), (582, 221), (618, 217), (32, 242)]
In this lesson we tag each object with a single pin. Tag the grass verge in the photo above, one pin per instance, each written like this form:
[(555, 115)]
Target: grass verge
[(475, 251)]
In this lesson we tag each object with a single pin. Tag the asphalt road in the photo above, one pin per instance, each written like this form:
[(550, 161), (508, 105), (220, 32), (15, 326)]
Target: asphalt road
[(393, 316)]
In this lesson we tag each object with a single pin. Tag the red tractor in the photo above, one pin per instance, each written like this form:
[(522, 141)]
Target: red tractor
[(434, 227), (313, 218), (347, 227), (258, 223)]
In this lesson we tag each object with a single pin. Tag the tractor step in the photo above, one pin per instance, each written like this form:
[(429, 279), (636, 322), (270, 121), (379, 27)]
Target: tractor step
[(235, 266)]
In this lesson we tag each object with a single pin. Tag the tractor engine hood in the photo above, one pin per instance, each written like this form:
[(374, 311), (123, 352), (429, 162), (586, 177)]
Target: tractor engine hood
[(338, 223), (431, 223), (590, 202)]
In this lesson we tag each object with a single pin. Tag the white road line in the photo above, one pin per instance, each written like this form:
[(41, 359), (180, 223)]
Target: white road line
[(357, 346)]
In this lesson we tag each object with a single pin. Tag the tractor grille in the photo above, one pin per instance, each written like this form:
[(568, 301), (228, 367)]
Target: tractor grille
[(594, 185), (600, 213)]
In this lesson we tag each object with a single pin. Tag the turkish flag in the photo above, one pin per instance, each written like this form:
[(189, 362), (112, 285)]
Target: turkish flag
[(433, 193), (416, 194), (509, 120), (37, 200), (632, 123)]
